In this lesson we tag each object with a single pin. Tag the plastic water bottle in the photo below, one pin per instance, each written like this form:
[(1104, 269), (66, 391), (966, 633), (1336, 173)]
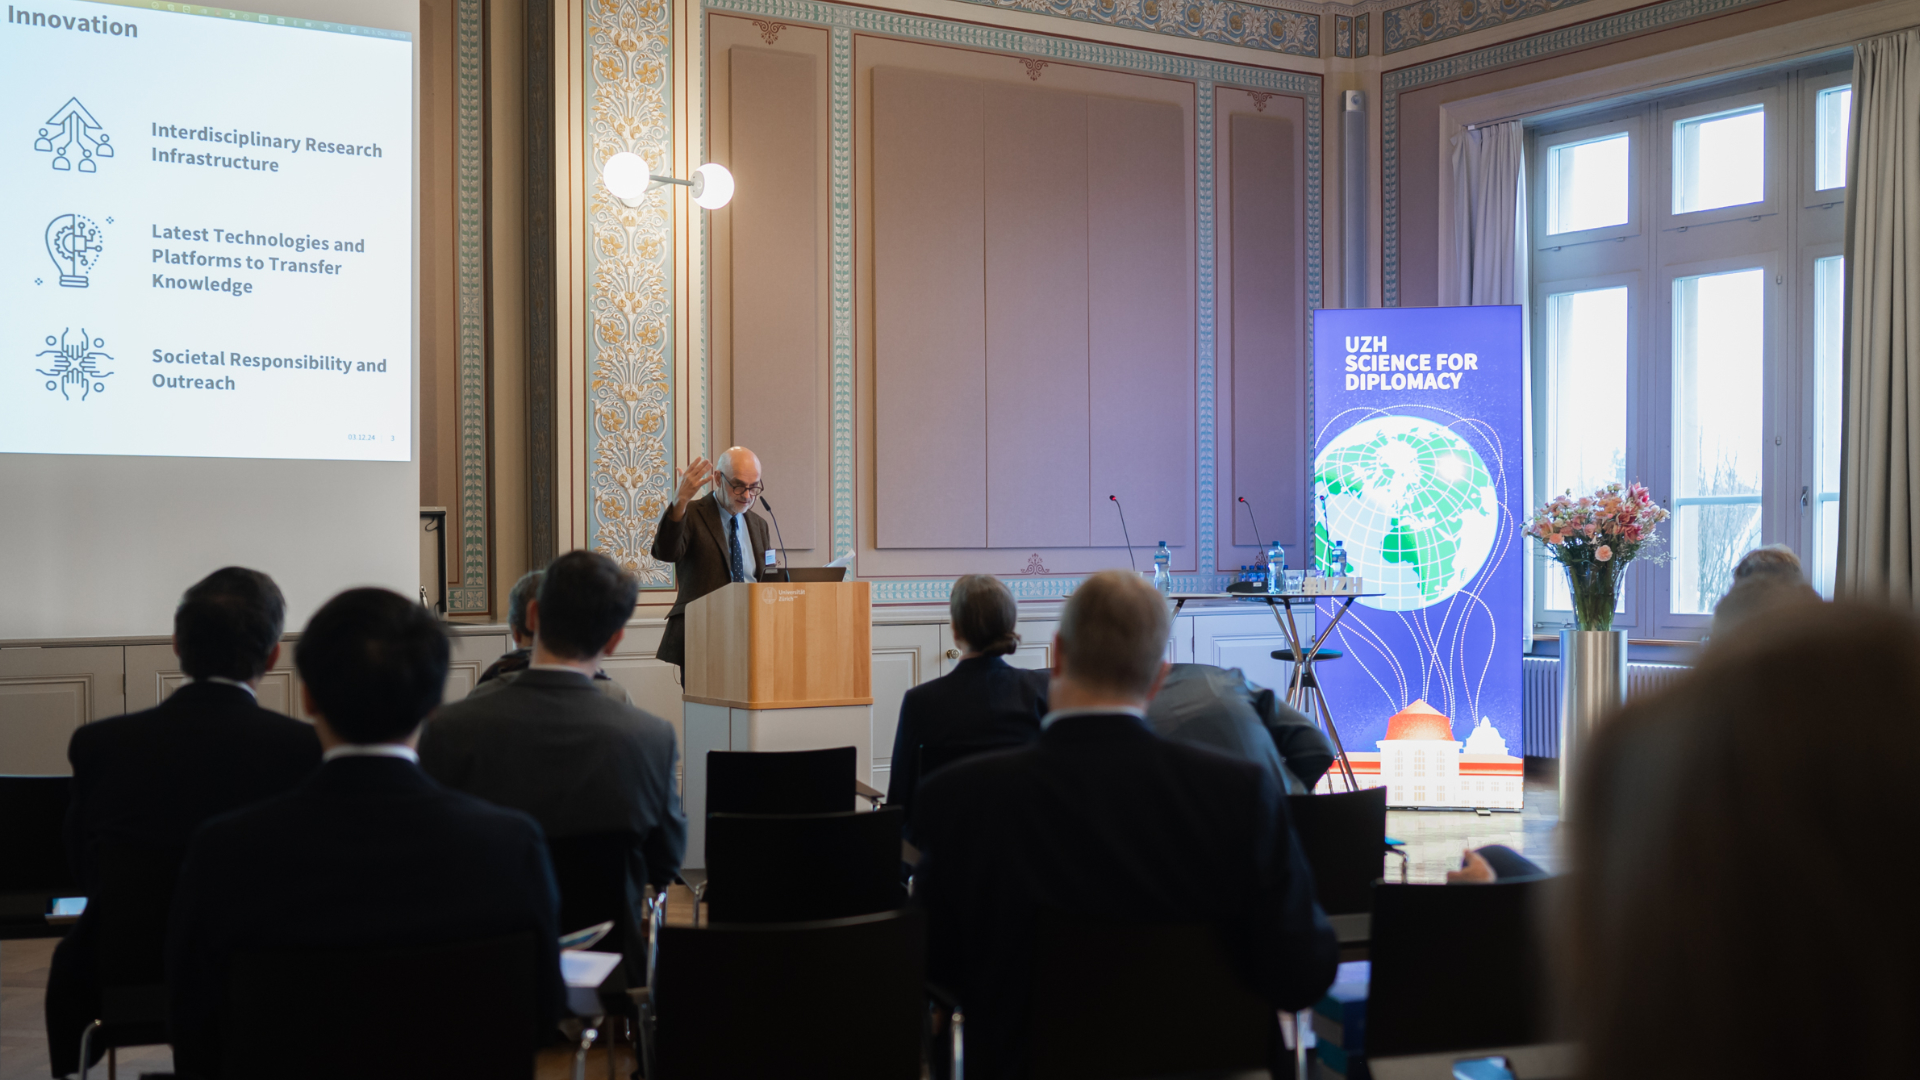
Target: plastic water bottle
[(1163, 570), (1338, 558), (1276, 568)]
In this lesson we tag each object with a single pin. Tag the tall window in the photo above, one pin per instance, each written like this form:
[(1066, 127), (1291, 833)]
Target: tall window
[(1718, 160), (1828, 314), (1589, 184), (1718, 345), (1832, 110), (1587, 390), (1686, 311)]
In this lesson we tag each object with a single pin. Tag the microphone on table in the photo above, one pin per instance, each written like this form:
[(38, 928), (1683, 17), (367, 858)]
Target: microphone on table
[(1256, 523), (1123, 531), (780, 541)]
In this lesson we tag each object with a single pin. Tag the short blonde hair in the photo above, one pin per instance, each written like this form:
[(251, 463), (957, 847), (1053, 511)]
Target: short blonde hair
[(1113, 633)]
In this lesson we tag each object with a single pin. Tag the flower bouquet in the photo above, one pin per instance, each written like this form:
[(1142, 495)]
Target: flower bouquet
[(1595, 537)]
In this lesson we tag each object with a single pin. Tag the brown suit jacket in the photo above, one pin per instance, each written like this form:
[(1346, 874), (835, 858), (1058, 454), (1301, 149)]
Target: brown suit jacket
[(696, 545)]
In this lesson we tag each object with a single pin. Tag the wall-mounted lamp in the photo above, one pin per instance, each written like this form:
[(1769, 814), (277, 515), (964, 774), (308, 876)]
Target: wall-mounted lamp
[(628, 178)]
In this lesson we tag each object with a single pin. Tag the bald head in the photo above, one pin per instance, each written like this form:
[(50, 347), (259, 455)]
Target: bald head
[(1112, 639), (737, 476)]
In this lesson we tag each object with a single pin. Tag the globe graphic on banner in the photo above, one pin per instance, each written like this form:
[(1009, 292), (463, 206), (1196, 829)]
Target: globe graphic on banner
[(1414, 504)]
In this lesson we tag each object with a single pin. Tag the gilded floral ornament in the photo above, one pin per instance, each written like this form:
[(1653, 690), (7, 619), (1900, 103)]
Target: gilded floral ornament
[(629, 301)]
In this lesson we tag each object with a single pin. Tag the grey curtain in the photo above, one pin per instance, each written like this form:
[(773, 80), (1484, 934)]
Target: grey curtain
[(1489, 216), (1880, 449)]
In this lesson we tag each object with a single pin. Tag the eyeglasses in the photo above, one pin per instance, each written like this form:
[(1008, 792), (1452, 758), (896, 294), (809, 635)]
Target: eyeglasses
[(739, 488)]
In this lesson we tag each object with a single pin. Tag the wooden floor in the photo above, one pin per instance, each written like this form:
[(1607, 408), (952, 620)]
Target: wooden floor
[(1434, 840)]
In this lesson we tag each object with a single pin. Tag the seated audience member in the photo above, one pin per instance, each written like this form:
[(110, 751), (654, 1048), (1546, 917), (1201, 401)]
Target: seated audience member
[(1764, 579), (984, 703), (549, 744), (1721, 875), (369, 852), (512, 663), (148, 780), (1219, 709), (1102, 818)]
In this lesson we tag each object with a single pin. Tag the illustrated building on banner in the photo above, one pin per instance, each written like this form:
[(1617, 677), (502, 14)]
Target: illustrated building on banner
[(1421, 764)]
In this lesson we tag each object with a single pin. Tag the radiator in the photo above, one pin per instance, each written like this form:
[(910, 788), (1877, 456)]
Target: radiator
[(1540, 690)]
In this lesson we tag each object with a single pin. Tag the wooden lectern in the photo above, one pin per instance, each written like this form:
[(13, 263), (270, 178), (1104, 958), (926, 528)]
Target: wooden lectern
[(776, 666)]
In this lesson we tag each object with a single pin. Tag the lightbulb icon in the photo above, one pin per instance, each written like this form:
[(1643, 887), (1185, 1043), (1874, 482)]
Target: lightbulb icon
[(74, 244)]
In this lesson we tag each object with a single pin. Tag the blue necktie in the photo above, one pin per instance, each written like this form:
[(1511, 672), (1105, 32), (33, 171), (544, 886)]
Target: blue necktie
[(733, 547)]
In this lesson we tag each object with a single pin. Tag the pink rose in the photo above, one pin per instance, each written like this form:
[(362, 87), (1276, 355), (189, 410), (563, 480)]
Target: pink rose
[(1603, 553)]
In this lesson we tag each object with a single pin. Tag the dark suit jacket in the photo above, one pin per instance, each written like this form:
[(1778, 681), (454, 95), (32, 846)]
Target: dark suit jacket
[(1218, 708), (550, 744), (368, 853), (696, 545), (984, 704), (149, 780), (1104, 818), (152, 777)]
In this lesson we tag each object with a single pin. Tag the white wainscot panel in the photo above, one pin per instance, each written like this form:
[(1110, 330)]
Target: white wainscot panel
[(1246, 640), (45, 694), (904, 656)]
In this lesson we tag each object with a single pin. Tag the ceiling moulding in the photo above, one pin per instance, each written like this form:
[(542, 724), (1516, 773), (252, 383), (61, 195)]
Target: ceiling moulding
[(1427, 21), (1225, 22)]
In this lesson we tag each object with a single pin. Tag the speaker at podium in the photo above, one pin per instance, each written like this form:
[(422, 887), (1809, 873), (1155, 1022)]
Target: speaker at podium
[(776, 666)]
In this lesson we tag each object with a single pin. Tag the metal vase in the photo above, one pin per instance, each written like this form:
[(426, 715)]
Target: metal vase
[(1593, 683)]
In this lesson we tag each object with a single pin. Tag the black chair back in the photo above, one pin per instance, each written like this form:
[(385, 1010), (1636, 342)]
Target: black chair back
[(1344, 837), (471, 1009), (784, 782), (843, 999), (1114, 999), (597, 875), (128, 911), (803, 867), (33, 858), (1455, 968)]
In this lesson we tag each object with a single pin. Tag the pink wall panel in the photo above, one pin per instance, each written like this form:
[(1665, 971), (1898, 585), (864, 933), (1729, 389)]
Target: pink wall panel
[(776, 291), (1268, 328), (1140, 322), (930, 403), (1036, 290)]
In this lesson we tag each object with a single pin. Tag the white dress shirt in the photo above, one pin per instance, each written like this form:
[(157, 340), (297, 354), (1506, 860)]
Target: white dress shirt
[(1093, 710), (393, 750)]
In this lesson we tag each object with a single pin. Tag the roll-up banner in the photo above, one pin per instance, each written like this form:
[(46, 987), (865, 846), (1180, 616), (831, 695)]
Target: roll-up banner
[(1419, 472)]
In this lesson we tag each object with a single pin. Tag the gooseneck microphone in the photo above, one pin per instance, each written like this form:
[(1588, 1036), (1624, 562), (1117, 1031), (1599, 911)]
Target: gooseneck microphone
[(1256, 523), (1123, 532), (780, 541)]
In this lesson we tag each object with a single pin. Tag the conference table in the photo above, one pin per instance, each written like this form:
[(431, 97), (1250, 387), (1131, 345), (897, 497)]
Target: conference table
[(1282, 605)]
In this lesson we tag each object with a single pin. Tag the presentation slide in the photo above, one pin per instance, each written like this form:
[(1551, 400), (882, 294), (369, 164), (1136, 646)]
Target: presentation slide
[(206, 241)]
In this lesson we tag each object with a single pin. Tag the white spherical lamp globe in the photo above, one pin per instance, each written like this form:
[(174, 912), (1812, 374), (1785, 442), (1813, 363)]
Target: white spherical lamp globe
[(626, 176), (712, 186)]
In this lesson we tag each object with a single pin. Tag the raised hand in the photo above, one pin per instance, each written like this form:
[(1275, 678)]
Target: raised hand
[(695, 476)]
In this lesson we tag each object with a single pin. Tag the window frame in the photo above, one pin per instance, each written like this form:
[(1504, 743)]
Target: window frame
[(1634, 281), (1811, 87), (1629, 125), (1670, 114), (1658, 454)]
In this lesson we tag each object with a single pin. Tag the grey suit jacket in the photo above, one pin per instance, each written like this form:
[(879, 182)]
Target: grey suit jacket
[(696, 545), (1219, 709), (553, 746)]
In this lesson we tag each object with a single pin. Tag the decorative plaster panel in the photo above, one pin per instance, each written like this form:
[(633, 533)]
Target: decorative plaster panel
[(1228, 22), (1428, 21), (629, 298), (472, 595)]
